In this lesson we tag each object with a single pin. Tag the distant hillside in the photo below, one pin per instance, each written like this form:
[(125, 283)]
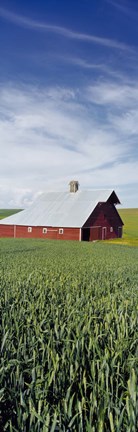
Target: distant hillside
[(130, 219), (8, 212)]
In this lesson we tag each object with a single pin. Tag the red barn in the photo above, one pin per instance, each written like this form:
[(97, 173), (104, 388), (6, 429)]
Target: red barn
[(74, 215)]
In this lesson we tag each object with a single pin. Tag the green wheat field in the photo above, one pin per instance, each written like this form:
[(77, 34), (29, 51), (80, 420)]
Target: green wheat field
[(69, 334), (130, 231)]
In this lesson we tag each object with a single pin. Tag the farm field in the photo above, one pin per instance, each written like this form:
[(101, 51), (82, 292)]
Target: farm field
[(130, 218), (130, 229), (69, 336), (8, 212)]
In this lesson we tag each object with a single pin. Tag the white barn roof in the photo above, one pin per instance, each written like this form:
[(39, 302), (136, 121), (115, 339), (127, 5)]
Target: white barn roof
[(60, 209)]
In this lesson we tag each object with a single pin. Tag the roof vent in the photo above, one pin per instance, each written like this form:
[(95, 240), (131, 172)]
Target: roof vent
[(74, 186)]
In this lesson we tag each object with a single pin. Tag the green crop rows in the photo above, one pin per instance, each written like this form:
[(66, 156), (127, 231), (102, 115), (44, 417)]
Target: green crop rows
[(68, 336)]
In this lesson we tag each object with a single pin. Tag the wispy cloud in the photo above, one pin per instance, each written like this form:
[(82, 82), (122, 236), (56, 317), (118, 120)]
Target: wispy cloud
[(124, 9), (100, 67), (62, 31)]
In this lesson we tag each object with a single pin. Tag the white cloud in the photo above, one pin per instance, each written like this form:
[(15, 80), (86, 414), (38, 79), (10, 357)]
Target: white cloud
[(51, 135), (16, 197), (117, 94), (127, 124)]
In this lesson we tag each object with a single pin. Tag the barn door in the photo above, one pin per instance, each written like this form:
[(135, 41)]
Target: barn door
[(95, 233), (119, 232), (86, 234), (104, 229)]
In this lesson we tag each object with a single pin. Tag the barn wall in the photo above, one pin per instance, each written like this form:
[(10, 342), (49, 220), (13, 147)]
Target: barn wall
[(95, 233), (104, 215), (37, 232), (6, 231)]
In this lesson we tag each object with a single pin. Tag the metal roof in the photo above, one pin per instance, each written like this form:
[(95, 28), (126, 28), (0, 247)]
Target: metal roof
[(60, 209)]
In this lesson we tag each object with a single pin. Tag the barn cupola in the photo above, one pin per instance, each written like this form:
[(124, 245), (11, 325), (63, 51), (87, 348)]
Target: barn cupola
[(74, 186)]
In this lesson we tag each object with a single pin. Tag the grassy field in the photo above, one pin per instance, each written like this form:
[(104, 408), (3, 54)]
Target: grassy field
[(130, 229), (8, 212), (68, 336), (130, 219)]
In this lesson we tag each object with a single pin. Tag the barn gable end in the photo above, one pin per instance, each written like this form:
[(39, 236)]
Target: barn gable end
[(104, 222)]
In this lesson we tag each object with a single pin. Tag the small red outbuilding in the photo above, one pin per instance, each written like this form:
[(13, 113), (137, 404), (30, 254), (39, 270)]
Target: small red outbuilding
[(74, 215)]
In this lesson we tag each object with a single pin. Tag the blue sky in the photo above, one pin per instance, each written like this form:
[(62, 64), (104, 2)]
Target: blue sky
[(68, 97)]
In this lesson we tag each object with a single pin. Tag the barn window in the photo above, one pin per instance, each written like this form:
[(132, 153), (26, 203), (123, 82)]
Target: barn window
[(44, 230), (29, 229), (111, 229), (61, 231)]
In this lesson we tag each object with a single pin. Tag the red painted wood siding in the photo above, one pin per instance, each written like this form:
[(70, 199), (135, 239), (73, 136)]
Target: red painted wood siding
[(37, 232), (95, 233), (104, 215), (6, 231)]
